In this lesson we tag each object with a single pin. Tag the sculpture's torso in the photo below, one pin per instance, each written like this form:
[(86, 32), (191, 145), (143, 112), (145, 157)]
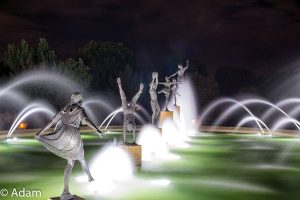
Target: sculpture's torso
[(180, 75), (153, 94), (65, 140)]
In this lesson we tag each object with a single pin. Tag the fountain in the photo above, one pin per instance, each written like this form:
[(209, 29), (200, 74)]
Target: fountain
[(169, 158), (110, 166), (32, 108)]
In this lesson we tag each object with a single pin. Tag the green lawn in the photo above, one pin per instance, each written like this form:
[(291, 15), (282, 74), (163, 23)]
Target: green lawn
[(226, 166)]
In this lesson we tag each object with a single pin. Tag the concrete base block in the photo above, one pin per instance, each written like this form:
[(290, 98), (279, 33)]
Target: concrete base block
[(135, 152), (165, 115)]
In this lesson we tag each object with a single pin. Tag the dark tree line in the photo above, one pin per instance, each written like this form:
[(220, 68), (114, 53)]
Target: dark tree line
[(97, 65)]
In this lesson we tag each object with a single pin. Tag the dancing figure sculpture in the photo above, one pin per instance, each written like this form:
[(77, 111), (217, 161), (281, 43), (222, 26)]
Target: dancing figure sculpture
[(174, 91), (128, 110), (166, 90), (65, 140), (180, 72), (153, 96)]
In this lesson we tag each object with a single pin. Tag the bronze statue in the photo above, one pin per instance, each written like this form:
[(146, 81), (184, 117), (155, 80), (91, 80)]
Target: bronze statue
[(166, 90), (174, 91), (153, 96), (65, 140), (180, 72), (128, 110)]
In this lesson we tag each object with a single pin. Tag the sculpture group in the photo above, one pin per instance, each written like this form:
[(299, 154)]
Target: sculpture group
[(168, 87), (65, 140)]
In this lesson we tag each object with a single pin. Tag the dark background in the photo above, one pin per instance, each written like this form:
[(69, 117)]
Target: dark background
[(259, 35), (234, 46)]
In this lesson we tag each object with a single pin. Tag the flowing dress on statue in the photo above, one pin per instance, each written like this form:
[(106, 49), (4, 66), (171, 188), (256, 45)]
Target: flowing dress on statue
[(65, 140)]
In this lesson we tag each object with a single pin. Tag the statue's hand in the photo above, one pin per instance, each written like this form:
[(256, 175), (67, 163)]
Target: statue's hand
[(141, 86), (154, 75), (37, 136), (119, 81), (101, 133), (137, 107)]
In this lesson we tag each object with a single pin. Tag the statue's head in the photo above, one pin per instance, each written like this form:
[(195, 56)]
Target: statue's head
[(77, 98), (180, 66), (174, 80), (167, 79)]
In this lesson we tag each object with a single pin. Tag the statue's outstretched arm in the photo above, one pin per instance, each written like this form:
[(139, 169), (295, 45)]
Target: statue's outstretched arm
[(187, 65), (122, 93), (53, 121), (137, 95), (173, 75), (89, 123), (155, 83), (173, 83), (161, 91), (161, 83)]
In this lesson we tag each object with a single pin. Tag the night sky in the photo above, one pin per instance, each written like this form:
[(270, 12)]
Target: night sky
[(262, 35)]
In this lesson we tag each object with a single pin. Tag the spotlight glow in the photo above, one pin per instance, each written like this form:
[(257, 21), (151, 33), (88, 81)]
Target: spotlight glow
[(111, 166), (161, 182)]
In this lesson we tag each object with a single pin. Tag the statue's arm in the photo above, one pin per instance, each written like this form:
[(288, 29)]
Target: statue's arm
[(152, 84), (122, 93), (53, 121), (155, 82), (161, 83), (86, 121), (173, 75), (174, 83), (137, 95), (159, 92), (187, 65)]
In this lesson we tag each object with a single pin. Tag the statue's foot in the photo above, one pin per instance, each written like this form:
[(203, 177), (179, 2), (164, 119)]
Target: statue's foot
[(91, 179), (66, 196)]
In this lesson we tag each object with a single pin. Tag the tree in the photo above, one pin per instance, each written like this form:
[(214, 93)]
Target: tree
[(77, 70), (43, 56), (18, 57), (22, 57), (106, 60)]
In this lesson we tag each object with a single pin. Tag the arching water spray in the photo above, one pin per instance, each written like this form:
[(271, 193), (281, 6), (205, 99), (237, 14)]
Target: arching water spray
[(111, 115), (280, 104), (285, 121), (248, 119), (41, 76), (29, 112), (236, 103)]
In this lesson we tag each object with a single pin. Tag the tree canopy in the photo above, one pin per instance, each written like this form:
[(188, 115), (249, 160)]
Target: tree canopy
[(106, 60)]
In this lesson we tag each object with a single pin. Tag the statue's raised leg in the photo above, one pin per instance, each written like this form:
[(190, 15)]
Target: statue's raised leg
[(86, 169)]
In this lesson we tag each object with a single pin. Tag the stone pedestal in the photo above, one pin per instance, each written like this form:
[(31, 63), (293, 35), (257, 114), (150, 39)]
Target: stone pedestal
[(75, 198), (135, 152), (164, 115)]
